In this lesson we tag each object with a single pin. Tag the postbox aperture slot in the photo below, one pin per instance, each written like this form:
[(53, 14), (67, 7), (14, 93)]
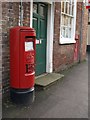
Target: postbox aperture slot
[(29, 37)]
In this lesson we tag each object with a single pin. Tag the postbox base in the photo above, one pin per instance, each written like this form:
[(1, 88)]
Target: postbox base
[(22, 96)]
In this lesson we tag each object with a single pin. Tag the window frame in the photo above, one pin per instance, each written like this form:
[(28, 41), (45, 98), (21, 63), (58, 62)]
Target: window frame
[(64, 40)]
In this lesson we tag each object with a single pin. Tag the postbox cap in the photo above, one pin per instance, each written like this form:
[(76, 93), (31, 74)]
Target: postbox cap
[(23, 28)]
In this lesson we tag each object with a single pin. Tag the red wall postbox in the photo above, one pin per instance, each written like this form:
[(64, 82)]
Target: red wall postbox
[(22, 60), (76, 49)]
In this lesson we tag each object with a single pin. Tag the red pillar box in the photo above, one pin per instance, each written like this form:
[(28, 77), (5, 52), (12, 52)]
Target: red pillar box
[(22, 63), (88, 4), (76, 49)]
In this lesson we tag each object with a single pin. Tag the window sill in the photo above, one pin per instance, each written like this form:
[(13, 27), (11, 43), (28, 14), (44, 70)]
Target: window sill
[(67, 41)]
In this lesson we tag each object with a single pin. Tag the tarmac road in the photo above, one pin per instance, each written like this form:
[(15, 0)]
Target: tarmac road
[(65, 99)]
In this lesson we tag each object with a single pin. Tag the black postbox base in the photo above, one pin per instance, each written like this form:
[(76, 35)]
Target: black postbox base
[(22, 96)]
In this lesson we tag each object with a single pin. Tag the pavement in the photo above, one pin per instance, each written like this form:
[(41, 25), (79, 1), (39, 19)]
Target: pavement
[(64, 99)]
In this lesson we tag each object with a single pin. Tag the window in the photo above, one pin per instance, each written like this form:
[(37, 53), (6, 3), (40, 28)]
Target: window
[(68, 21), (35, 8)]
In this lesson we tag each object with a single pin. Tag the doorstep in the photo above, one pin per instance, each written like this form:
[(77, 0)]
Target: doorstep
[(46, 80)]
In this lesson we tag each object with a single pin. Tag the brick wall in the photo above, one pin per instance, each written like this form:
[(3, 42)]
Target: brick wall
[(0, 48), (10, 18), (26, 14), (62, 54), (84, 33), (81, 28)]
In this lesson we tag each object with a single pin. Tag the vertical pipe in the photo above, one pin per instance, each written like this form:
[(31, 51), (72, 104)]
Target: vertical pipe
[(31, 13), (21, 13)]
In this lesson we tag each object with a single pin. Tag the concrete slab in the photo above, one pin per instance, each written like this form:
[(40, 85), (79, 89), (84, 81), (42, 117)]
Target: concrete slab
[(48, 79)]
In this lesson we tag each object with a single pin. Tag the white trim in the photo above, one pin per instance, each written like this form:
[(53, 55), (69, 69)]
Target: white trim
[(74, 21), (72, 39), (48, 2), (50, 27), (67, 14), (31, 13), (67, 41)]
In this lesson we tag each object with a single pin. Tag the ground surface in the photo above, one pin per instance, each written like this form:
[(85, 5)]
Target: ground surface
[(65, 99)]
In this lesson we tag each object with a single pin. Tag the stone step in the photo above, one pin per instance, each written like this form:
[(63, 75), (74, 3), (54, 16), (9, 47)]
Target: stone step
[(47, 80)]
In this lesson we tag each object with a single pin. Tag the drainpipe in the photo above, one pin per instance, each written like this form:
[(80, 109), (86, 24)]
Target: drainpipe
[(81, 32), (31, 13), (21, 13)]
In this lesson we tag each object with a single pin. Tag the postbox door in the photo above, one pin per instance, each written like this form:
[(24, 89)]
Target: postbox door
[(26, 51)]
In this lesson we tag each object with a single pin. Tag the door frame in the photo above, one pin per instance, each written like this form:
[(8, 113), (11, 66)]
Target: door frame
[(50, 34)]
